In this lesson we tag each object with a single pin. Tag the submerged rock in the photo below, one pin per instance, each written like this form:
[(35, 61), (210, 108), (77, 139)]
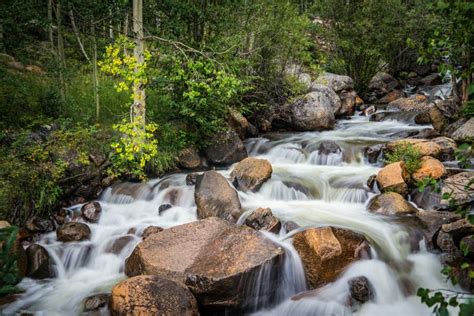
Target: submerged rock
[(251, 173), (91, 211), (73, 231), (164, 207), (393, 178), (329, 147), (96, 302), (117, 245), (391, 203), (361, 289), (215, 197), (152, 295), (225, 149), (326, 252), (263, 219)]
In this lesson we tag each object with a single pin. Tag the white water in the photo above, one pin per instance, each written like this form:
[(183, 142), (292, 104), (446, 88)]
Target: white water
[(306, 187)]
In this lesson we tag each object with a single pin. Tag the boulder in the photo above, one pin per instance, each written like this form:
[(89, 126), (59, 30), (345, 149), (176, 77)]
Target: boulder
[(326, 252), (393, 178), (221, 276), (426, 133), (382, 83), (448, 148), (96, 302), (263, 219), (391, 203), (189, 158), (152, 295), (38, 263), (348, 103), (337, 83), (431, 80), (458, 229), (251, 173), (361, 289), (225, 149), (73, 231), (460, 187), (238, 123), (437, 119), (214, 196), (91, 211), (36, 224), (425, 147), (429, 167), (465, 133), (429, 199), (416, 103), (423, 118), (390, 97), (329, 147), (150, 230)]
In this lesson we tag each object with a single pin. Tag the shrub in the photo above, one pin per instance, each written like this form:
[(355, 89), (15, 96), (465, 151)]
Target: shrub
[(8, 261), (407, 153)]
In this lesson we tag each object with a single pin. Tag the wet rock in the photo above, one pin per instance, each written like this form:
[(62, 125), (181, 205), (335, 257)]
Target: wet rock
[(36, 224), (348, 103), (116, 246), (73, 231), (391, 203), (465, 133), (252, 131), (460, 187), (423, 118), (61, 216), (38, 262), (91, 211), (96, 302), (191, 178), (368, 111), (251, 173), (390, 97), (189, 158), (329, 147), (152, 295), (417, 103), (150, 230), (225, 149), (290, 225), (429, 167), (326, 252), (225, 264), (430, 222), (431, 80), (393, 177), (373, 152), (215, 197), (361, 289), (164, 207), (337, 83), (263, 219), (371, 181), (424, 146), (238, 123)]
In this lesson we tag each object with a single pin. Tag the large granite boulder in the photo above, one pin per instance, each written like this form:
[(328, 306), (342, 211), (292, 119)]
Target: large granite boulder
[(418, 103), (459, 187), (393, 178), (225, 149), (337, 83), (251, 173), (73, 231), (465, 133)]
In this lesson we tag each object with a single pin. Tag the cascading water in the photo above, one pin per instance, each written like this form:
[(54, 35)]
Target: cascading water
[(308, 186)]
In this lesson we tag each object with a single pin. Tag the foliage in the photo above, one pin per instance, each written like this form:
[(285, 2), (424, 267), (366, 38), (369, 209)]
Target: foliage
[(441, 301), (407, 153), (464, 154), (8, 261)]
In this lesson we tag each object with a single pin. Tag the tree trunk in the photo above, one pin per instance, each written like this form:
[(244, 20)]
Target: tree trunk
[(62, 62), (95, 77), (138, 107), (2, 44), (50, 22), (111, 28), (76, 33)]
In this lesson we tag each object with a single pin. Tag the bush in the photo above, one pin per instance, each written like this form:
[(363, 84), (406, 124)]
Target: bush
[(8, 261), (407, 153)]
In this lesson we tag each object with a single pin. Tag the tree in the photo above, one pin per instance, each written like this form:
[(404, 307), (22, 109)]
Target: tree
[(138, 107)]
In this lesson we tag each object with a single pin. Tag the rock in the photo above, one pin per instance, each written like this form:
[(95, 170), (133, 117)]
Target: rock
[(326, 252), (73, 231), (348, 103), (428, 200), (314, 112), (96, 302), (448, 148), (425, 147), (252, 131), (369, 111), (438, 120), (263, 219), (150, 230), (329, 147), (373, 152), (215, 197), (430, 167), (460, 187), (430, 222), (4, 224), (371, 181), (382, 83), (359, 101), (91, 211), (391, 203), (238, 123), (251, 173), (237, 256), (426, 133), (164, 207), (227, 148), (116, 246), (458, 229), (423, 118), (264, 125), (467, 244), (152, 295), (36, 224), (390, 97), (413, 103), (191, 178), (188, 158), (393, 177), (361, 289), (465, 133), (335, 82), (38, 263), (431, 80)]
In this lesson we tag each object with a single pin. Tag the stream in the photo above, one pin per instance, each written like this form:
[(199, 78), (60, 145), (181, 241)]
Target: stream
[(308, 187)]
